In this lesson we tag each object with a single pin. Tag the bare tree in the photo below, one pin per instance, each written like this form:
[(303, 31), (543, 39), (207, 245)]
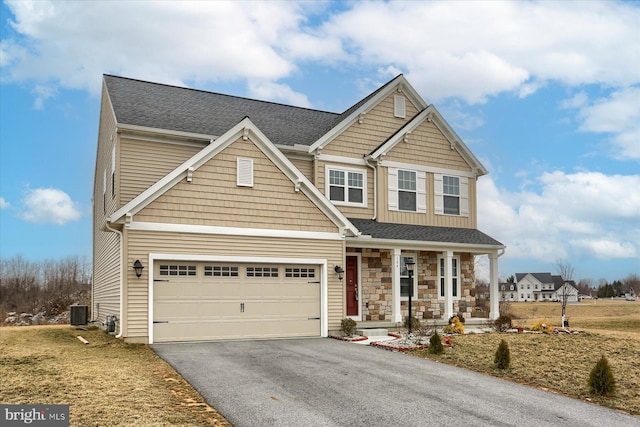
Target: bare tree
[(565, 269)]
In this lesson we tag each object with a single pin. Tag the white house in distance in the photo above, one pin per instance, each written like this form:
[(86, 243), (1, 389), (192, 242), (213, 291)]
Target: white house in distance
[(538, 287)]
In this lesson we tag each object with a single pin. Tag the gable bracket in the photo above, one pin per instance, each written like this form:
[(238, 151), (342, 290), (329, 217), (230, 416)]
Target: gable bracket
[(127, 220), (245, 134), (297, 185), (454, 144), (318, 152), (361, 118), (400, 88), (430, 116), (406, 136), (190, 174)]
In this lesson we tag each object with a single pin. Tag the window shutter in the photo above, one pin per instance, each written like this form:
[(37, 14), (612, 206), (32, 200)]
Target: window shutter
[(438, 204), (399, 106), (245, 172), (393, 188), (421, 187), (464, 196)]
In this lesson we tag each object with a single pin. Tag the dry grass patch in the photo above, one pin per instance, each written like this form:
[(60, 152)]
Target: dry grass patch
[(107, 382), (562, 363)]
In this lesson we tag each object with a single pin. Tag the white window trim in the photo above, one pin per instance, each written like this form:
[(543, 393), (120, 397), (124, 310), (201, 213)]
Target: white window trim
[(365, 195), (458, 277), (438, 194), (415, 276), (393, 190)]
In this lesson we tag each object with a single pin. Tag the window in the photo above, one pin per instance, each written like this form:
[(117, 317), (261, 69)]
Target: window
[(245, 172), (451, 192), (299, 272), (536, 286), (262, 271), (407, 190), (113, 172), (451, 195), (521, 296), (346, 186), (220, 271), (405, 284), (177, 270), (455, 276)]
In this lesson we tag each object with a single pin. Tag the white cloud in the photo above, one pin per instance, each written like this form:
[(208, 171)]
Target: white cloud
[(583, 214), (617, 115), (3, 203), (278, 92), (470, 50), (49, 206)]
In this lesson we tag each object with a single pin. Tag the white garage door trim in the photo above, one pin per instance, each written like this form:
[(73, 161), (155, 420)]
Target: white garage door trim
[(324, 309)]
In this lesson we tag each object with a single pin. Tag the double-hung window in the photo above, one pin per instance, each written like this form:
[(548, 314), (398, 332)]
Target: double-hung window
[(346, 187), (455, 276), (407, 190), (451, 195)]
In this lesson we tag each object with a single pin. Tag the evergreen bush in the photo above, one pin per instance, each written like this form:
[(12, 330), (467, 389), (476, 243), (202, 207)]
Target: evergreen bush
[(348, 327), (601, 380), (503, 356), (435, 344)]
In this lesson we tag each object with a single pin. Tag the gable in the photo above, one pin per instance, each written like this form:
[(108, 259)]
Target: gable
[(215, 197), (427, 145), (371, 128)]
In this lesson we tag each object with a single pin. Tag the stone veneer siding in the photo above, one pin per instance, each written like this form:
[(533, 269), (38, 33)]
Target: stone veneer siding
[(376, 293)]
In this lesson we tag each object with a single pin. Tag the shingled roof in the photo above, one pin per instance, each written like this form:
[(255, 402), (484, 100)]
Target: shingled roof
[(160, 106), (425, 233)]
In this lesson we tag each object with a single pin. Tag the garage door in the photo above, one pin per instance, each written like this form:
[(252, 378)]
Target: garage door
[(211, 301)]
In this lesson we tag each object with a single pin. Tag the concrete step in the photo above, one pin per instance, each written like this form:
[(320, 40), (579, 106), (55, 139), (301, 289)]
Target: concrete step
[(372, 332)]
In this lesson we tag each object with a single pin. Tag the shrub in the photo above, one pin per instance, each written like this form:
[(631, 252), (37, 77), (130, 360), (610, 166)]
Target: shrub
[(415, 323), (348, 326), (601, 379), (502, 323), (542, 326), (454, 327), (460, 317), (503, 356), (435, 344)]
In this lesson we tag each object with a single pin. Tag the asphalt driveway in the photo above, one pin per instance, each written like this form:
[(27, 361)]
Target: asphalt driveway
[(324, 382)]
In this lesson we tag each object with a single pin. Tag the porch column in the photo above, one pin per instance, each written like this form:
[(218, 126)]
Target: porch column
[(395, 285), (494, 295), (448, 284)]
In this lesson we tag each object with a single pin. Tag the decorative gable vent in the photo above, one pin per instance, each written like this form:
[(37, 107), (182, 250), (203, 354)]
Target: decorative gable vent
[(245, 172), (399, 106)]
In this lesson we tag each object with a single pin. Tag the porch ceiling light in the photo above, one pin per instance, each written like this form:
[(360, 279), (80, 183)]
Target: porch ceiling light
[(138, 267), (340, 272)]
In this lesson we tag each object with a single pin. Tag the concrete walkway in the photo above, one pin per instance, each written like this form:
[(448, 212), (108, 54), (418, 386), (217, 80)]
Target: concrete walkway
[(325, 382)]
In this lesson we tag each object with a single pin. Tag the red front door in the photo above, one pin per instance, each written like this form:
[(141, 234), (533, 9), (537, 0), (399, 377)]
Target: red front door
[(352, 286)]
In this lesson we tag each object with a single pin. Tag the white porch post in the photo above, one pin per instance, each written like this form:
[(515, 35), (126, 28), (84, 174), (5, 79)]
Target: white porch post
[(448, 284), (494, 294), (395, 285)]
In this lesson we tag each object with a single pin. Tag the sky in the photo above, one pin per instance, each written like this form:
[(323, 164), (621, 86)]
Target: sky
[(545, 94)]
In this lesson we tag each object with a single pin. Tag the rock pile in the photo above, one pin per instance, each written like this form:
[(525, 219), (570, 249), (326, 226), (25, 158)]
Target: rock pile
[(28, 319)]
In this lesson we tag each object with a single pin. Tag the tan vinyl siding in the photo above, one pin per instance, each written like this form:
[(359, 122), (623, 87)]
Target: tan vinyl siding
[(106, 248), (378, 125), (429, 218), (141, 243), (427, 146), (349, 211), (305, 166), (143, 163), (213, 198)]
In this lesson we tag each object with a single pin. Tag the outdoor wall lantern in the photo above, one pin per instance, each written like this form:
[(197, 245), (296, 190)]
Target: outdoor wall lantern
[(410, 264), (137, 266), (340, 272)]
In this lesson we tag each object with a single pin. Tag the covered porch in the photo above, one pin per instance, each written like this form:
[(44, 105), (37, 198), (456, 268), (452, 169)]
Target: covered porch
[(377, 283)]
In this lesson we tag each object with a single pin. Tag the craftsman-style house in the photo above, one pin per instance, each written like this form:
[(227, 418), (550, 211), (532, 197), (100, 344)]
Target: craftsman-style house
[(220, 217)]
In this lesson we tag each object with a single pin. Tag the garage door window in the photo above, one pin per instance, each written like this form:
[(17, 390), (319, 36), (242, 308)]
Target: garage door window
[(177, 270), (262, 271), (299, 272), (220, 271)]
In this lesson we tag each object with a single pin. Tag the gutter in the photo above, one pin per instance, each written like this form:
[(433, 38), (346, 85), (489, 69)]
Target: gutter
[(375, 186), (119, 233)]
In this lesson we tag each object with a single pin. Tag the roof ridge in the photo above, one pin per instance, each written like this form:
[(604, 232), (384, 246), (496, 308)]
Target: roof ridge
[(220, 94)]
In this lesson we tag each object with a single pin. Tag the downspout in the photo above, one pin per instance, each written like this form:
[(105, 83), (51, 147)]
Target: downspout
[(375, 186), (119, 233)]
